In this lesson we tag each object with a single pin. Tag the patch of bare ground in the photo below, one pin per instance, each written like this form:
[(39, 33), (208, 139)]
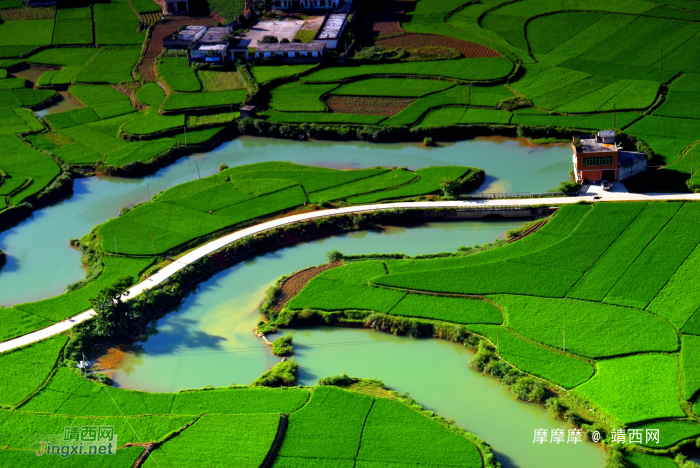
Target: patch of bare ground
[(419, 41), (367, 105), (529, 230), (129, 91), (162, 30), (291, 286)]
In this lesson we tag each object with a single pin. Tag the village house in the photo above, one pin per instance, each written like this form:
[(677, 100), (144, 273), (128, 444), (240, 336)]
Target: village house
[(292, 50), (175, 7), (182, 39), (597, 158), (331, 29), (212, 46), (296, 5)]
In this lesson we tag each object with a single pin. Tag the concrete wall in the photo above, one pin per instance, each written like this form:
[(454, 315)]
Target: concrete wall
[(632, 168)]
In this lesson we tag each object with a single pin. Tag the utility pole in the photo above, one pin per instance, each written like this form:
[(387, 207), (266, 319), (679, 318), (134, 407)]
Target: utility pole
[(185, 128), (115, 242), (564, 334), (498, 344), (36, 372), (692, 170), (154, 245), (198, 175), (149, 192), (614, 117)]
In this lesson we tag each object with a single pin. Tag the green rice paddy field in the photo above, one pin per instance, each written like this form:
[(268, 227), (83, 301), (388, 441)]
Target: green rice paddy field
[(298, 426), (601, 301)]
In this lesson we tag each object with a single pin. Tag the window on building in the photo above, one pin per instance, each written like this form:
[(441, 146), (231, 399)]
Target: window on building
[(597, 161)]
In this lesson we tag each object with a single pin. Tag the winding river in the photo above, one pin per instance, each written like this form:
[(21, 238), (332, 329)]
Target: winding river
[(41, 262)]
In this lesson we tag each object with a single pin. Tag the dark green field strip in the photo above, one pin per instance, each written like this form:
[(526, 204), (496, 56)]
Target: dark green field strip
[(692, 326), (696, 407), (111, 65), (265, 73), (619, 378), (563, 370), (606, 271), (178, 74), (642, 460), (323, 117), (458, 95), (580, 250), (26, 33), (583, 121), (670, 432), (542, 79), (241, 440), (357, 273), (116, 23), (299, 462), (690, 366), (656, 264), (240, 401), (387, 180), (73, 31), (140, 151), (298, 97), (123, 457), (96, 94), (184, 101), (545, 32), (20, 429), (668, 136), (329, 426), (333, 295), (443, 117), (74, 302), (679, 298), (592, 329), (476, 69), (485, 116), (429, 180), (449, 309), (394, 432), (563, 222), (498, 278), (71, 118), (394, 87), (18, 382)]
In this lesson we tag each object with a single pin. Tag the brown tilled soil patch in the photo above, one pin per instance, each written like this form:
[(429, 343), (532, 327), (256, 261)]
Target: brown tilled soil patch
[(164, 29), (291, 286), (368, 105), (417, 41)]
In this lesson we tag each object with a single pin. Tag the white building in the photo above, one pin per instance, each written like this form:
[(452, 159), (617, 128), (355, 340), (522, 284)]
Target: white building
[(331, 29), (291, 50)]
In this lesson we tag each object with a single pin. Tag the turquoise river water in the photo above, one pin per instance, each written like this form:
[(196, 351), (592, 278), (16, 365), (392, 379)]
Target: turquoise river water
[(210, 341), (41, 262)]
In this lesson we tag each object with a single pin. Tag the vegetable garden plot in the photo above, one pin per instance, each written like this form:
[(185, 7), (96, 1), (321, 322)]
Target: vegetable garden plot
[(395, 432), (618, 378), (608, 269), (562, 369), (178, 74), (71, 303), (240, 401), (475, 69), (216, 80), (17, 384), (449, 309), (394, 87), (656, 264), (247, 439), (111, 65), (593, 329), (330, 425)]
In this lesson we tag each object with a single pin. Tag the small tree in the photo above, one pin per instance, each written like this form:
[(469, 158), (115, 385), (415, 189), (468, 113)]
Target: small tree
[(578, 143), (268, 40), (284, 41), (334, 255), (112, 314), (223, 167), (450, 187)]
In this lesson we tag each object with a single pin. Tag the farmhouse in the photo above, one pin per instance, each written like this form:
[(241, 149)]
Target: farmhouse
[(183, 39), (331, 29), (239, 48), (596, 158), (292, 50), (212, 46), (296, 5)]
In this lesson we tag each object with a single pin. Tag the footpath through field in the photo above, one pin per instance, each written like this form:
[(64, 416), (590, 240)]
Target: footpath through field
[(217, 244)]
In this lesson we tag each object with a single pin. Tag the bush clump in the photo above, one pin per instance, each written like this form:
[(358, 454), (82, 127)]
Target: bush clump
[(343, 380), (284, 374), (334, 255), (268, 40), (282, 346)]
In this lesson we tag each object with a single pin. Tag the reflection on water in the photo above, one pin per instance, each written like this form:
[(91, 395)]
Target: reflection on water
[(210, 340), (42, 264)]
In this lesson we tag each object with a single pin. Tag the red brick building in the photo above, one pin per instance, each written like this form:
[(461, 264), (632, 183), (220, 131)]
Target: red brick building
[(596, 157)]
